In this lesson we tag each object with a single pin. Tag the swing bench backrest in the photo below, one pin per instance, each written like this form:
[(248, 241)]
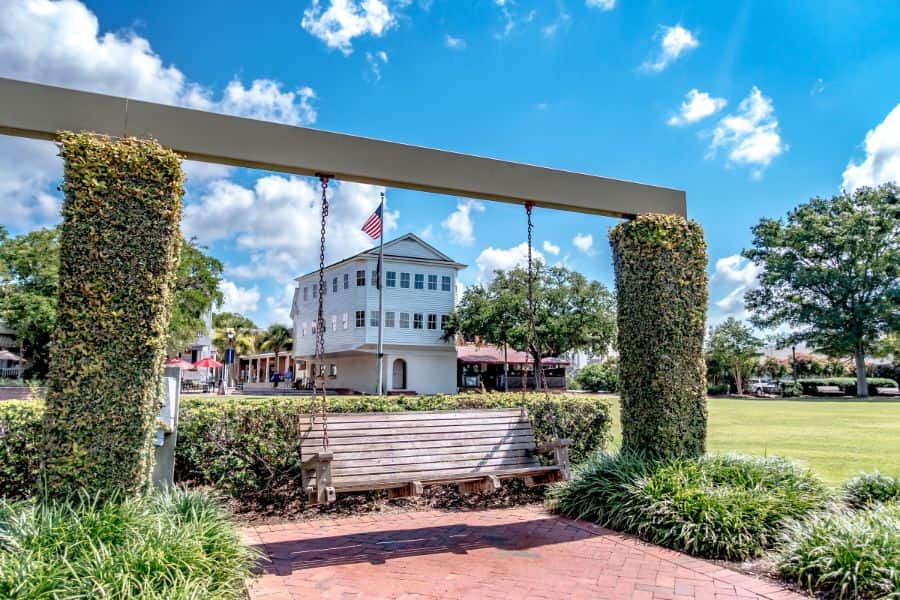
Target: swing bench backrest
[(403, 451)]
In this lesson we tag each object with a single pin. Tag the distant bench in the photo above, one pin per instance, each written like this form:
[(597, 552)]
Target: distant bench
[(830, 390), (887, 391)]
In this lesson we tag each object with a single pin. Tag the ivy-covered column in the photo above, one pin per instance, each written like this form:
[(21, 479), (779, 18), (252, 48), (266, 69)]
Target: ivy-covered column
[(119, 249), (661, 293)]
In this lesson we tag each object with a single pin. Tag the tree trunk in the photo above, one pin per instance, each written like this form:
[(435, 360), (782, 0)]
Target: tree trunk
[(505, 368), (738, 380), (862, 386)]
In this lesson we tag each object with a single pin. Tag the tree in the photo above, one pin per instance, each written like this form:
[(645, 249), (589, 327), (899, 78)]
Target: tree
[(277, 338), (570, 312), (831, 272), (733, 345), (235, 331), (196, 291), (29, 281), (29, 277)]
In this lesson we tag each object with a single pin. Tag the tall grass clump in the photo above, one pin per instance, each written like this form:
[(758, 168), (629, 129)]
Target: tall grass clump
[(845, 554), (868, 488), (178, 545), (720, 506)]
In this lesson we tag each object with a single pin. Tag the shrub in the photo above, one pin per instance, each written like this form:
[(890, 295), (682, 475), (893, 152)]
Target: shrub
[(868, 488), (791, 390), (847, 384), (717, 389), (845, 554), (20, 443), (597, 377), (176, 545), (721, 506), (250, 448), (119, 243), (661, 290)]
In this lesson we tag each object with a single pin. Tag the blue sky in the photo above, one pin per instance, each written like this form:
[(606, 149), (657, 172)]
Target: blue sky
[(751, 107)]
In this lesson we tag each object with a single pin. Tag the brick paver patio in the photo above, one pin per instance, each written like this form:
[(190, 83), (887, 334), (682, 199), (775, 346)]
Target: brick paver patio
[(521, 552)]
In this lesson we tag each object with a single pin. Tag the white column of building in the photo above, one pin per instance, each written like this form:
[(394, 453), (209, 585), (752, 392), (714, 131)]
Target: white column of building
[(388, 373)]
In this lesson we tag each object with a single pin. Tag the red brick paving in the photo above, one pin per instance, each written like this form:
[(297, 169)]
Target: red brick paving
[(505, 553)]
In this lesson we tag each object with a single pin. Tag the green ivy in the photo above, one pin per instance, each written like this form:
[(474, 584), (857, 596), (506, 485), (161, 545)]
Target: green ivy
[(661, 290), (119, 248)]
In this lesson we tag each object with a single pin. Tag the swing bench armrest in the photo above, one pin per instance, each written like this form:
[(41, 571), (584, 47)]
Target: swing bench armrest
[(318, 457), (551, 446)]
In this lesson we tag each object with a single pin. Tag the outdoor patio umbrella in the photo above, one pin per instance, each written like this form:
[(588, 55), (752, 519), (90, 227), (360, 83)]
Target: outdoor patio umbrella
[(209, 363), (179, 362), (7, 355)]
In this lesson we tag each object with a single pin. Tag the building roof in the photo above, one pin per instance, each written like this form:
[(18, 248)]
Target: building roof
[(438, 256), (486, 353)]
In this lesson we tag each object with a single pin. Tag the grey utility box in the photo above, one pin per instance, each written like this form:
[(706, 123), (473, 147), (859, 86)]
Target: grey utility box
[(167, 429)]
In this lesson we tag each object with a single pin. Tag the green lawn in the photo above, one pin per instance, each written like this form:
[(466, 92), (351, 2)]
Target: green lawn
[(836, 438)]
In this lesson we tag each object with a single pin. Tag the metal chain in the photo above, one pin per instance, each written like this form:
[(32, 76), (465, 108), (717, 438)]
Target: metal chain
[(319, 381), (532, 332)]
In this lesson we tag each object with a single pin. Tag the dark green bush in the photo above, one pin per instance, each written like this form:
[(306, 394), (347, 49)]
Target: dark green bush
[(845, 554), (20, 443), (599, 377), (717, 389), (720, 506), (868, 488), (250, 448), (791, 390), (177, 545), (661, 293), (847, 384), (119, 244)]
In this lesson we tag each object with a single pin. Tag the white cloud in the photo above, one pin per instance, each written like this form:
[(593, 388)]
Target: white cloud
[(503, 259), (454, 43), (563, 20), (344, 20), (736, 269), (459, 223), (882, 161), (60, 43), (278, 306), (276, 222), (510, 18), (551, 248), (750, 135), (584, 242), (674, 41), (697, 105), (375, 61), (818, 87), (238, 299), (601, 4)]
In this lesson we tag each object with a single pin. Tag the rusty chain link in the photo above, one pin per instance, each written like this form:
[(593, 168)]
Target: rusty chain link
[(319, 381)]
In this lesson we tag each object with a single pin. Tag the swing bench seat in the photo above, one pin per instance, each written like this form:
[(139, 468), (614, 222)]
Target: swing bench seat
[(404, 451)]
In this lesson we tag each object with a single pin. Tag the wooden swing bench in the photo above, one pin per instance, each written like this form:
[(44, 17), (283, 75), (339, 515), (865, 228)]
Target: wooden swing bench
[(402, 452)]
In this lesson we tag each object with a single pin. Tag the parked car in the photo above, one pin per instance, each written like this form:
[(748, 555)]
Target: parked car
[(761, 387)]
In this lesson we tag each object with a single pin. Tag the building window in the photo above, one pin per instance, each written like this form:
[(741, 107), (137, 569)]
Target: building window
[(360, 278), (346, 280), (334, 322), (432, 321), (389, 319), (332, 370), (360, 318), (404, 320), (391, 279), (373, 318), (417, 321), (444, 322), (334, 285), (445, 284), (315, 291), (404, 280), (432, 282), (420, 281), (375, 278), (303, 328), (345, 319), (305, 293)]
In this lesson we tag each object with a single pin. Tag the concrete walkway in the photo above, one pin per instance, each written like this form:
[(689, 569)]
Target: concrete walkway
[(521, 552)]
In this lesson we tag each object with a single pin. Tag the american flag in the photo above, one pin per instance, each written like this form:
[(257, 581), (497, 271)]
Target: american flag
[(372, 226)]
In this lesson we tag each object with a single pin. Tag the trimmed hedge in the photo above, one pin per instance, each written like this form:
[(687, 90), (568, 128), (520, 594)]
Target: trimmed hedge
[(249, 448), (597, 377), (721, 506), (661, 291), (119, 244), (847, 384)]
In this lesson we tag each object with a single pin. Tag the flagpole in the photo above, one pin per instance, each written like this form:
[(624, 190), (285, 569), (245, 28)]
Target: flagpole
[(380, 351)]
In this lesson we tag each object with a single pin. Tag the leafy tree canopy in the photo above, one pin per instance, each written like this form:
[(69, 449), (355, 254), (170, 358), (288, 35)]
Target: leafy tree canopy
[(831, 272), (571, 313), (29, 278), (733, 347), (277, 338), (243, 330)]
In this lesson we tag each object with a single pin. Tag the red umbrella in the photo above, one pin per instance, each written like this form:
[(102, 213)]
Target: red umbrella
[(208, 363), (179, 362)]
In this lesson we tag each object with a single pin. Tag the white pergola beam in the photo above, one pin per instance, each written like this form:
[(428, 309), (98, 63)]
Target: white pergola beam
[(41, 111)]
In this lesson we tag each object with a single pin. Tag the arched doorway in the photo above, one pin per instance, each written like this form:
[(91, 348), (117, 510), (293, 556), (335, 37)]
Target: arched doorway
[(398, 381)]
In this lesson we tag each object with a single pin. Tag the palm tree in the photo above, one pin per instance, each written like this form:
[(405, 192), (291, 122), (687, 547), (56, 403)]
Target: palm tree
[(277, 338)]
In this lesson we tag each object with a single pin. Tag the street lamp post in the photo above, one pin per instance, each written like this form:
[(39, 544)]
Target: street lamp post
[(229, 333)]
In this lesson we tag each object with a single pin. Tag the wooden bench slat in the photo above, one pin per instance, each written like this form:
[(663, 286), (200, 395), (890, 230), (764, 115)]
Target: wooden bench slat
[(437, 423), (439, 477), (311, 444), (343, 462), (499, 429), (424, 415), (489, 464), (448, 448)]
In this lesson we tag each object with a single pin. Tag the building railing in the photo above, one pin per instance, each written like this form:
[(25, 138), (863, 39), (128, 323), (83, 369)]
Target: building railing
[(10, 373)]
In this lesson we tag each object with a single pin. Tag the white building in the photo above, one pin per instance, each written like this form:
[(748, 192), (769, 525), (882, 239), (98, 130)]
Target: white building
[(419, 291)]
